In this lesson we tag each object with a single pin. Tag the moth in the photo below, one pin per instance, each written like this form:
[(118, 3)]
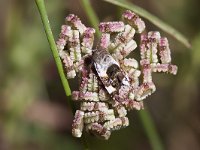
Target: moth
[(110, 84), (111, 75)]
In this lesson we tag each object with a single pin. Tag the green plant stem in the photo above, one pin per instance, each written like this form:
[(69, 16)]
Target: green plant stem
[(43, 14), (42, 10), (91, 15), (150, 130), (153, 19)]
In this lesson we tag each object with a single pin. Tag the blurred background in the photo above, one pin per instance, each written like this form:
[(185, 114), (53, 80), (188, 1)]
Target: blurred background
[(34, 113)]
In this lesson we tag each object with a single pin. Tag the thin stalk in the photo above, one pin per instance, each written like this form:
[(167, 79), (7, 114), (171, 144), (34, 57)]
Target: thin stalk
[(42, 10), (91, 15), (150, 130), (43, 14)]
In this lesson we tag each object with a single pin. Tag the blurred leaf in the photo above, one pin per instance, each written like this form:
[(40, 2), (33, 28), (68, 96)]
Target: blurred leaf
[(91, 15), (196, 52), (153, 19), (150, 129)]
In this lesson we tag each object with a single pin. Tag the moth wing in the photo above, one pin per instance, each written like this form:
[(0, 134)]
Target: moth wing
[(101, 71)]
